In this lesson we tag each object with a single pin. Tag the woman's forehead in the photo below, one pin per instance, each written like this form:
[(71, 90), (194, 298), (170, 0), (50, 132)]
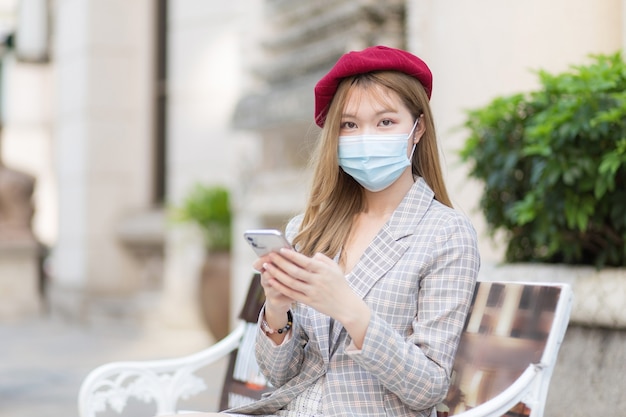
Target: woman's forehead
[(372, 96)]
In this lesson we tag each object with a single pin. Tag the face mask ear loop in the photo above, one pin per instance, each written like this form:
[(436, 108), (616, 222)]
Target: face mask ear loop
[(411, 134), (414, 126), (412, 152), (417, 122)]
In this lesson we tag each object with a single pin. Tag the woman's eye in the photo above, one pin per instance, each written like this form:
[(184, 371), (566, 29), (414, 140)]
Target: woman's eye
[(348, 125), (386, 122)]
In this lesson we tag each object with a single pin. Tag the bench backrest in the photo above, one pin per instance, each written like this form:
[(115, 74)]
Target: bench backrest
[(244, 382), (510, 326)]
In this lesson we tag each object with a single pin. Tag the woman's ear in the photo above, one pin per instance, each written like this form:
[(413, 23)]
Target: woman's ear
[(419, 129)]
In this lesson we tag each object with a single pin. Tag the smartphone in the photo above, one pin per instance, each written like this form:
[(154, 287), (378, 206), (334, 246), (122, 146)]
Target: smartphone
[(264, 241)]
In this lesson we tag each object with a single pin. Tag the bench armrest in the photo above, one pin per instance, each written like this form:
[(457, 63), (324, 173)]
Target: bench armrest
[(163, 381)]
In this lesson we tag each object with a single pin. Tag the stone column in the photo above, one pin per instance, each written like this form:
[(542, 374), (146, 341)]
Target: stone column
[(103, 87)]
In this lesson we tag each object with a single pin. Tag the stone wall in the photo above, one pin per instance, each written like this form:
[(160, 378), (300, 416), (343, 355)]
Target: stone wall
[(588, 379)]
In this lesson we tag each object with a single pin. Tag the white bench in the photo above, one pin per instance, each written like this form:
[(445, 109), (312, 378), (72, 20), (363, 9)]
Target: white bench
[(503, 366)]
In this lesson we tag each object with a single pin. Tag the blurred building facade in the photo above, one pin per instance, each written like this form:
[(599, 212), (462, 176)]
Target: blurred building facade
[(125, 105)]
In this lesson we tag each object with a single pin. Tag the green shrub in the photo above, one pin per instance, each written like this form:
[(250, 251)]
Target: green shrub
[(553, 163), (209, 208)]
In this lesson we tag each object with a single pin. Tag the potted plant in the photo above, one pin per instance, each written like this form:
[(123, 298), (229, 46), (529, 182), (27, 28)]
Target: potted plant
[(208, 207), (553, 163)]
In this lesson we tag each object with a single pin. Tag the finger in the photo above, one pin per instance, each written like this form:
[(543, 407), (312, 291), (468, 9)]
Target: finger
[(283, 292), (290, 269), (298, 259), (258, 263), (297, 265), (283, 281), (323, 258), (269, 281)]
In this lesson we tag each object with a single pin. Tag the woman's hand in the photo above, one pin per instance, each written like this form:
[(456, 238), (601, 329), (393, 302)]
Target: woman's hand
[(276, 303), (319, 283)]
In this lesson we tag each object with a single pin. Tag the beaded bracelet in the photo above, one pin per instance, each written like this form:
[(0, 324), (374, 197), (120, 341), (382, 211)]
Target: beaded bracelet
[(268, 330)]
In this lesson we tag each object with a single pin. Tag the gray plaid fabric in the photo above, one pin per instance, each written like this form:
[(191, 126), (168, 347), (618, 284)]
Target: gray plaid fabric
[(418, 277)]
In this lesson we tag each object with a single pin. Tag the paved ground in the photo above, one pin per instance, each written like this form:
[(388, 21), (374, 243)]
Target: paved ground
[(43, 361)]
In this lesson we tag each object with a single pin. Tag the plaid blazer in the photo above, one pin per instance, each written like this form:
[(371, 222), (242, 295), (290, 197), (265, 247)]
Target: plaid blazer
[(418, 277)]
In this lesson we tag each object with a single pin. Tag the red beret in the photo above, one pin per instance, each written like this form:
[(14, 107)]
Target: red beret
[(375, 58)]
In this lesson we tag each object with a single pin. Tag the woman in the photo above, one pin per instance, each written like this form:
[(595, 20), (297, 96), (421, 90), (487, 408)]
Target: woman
[(366, 316)]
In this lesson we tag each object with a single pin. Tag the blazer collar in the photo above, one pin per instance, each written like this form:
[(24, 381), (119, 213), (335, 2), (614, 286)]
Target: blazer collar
[(411, 210)]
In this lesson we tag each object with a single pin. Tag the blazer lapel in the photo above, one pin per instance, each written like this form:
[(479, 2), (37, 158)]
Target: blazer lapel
[(387, 247), (378, 258)]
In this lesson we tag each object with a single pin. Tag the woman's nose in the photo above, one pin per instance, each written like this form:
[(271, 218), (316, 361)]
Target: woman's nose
[(368, 130)]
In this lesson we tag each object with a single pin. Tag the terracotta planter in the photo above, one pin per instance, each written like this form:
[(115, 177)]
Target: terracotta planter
[(215, 293)]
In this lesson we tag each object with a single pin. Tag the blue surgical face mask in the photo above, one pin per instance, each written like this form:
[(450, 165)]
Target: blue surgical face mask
[(375, 161)]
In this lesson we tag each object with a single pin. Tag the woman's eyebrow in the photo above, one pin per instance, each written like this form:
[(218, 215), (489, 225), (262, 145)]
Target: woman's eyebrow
[(378, 113)]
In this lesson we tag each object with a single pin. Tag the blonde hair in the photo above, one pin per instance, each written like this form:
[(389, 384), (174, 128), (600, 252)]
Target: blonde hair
[(335, 197)]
